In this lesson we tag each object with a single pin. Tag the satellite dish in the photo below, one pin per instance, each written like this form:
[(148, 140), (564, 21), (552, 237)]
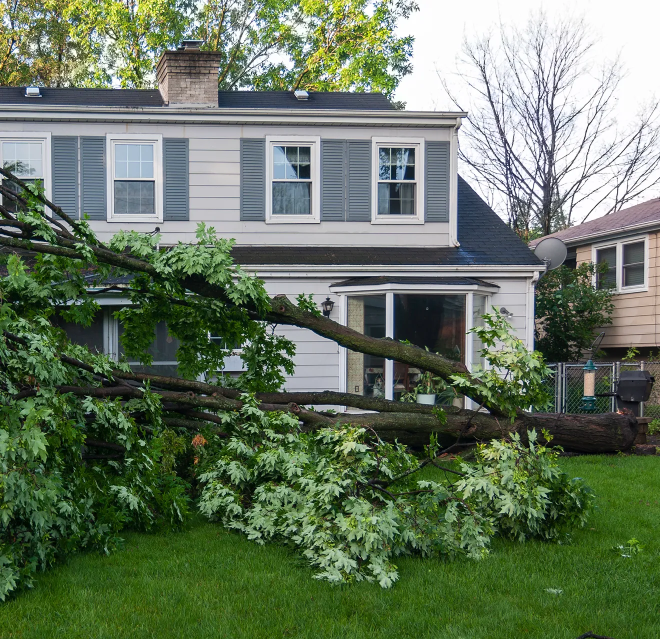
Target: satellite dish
[(552, 252)]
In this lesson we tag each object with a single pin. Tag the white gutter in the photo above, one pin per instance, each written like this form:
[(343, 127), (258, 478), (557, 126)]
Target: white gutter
[(173, 115), (418, 269), (402, 287)]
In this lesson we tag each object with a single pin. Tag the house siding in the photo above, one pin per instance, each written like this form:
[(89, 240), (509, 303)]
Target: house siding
[(635, 320), (214, 170)]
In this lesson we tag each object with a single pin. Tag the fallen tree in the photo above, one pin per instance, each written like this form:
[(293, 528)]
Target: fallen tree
[(89, 446), (190, 280)]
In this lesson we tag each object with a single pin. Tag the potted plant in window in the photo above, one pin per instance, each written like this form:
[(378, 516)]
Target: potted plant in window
[(426, 389)]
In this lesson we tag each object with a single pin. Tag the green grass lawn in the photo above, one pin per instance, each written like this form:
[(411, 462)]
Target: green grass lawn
[(208, 583)]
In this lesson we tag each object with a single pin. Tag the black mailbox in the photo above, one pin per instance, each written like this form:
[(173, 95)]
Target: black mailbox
[(632, 388)]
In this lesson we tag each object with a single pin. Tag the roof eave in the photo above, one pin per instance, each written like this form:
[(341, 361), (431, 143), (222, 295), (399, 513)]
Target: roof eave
[(588, 238), (227, 115)]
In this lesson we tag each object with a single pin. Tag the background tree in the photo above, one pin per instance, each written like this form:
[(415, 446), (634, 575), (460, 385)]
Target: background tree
[(38, 46), (569, 309), (338, 45), (333, 45), (541, 136)]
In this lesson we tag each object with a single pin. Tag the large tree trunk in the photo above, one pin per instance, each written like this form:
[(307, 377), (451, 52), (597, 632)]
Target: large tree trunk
[(606, 433)]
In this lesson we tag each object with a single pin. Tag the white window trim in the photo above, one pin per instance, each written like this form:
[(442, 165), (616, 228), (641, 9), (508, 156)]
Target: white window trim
[(315, 142), (420, 194), (44, 138), (619, 244), (157, 141)]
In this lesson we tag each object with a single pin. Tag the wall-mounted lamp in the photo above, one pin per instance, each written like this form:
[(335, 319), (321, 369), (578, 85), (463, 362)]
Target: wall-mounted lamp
[(589, 398), (327, 306)]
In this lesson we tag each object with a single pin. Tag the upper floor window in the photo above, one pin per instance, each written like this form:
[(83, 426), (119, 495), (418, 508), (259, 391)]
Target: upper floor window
[(398, 182), (26, 159), (293, 180), (626, 265), (135, 182)]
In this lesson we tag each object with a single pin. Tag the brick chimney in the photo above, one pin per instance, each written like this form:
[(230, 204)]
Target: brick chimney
[(188, 77)]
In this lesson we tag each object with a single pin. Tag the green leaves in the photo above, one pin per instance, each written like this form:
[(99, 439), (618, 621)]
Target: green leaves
[(514, 378), (569, 310), (334, 496)]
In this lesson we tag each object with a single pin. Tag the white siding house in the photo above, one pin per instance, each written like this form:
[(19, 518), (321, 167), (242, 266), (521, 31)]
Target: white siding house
[(336, 195)]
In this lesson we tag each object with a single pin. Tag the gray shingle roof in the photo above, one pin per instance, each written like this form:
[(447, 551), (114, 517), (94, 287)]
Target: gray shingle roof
[(136, 98), (286, 100), (485, 241), (129, 98), (646, 213)]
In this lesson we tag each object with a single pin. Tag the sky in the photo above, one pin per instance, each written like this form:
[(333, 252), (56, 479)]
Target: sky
[(631, 29)]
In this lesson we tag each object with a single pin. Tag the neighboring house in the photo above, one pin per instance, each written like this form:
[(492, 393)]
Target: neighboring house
[(333, 194), (628, 241)]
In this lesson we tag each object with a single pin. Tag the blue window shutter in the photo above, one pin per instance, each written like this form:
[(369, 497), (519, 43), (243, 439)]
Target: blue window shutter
[(176, 190), (253, 179), (437, 182), (333, 186), (64, 162), (359, 181), (93, 177)]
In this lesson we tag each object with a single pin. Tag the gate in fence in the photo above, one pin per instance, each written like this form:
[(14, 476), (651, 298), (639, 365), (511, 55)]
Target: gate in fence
[(566, 384)]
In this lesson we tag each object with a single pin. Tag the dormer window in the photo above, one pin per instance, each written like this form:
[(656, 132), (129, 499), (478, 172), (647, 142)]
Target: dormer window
[(293, 191), (398, 184)]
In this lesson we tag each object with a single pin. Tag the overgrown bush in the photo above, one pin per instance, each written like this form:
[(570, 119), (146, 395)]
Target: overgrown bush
[(352, 503)]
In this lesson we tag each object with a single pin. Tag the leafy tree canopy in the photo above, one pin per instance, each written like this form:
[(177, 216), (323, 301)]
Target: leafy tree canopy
[(569, 310), (322, 45)]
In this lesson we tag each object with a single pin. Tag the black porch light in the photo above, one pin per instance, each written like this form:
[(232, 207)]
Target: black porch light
[(327, 306)]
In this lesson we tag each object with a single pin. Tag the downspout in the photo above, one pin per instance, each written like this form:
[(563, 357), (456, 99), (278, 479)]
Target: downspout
[(453, 185), (531, 287)]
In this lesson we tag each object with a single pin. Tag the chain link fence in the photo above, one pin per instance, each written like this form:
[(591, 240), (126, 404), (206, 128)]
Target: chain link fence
[(565, 385)]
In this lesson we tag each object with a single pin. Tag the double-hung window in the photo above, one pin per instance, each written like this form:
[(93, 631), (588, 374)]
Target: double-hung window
[(398, 182), (293, 191), (625, 263), (135, 178), (27, 158)]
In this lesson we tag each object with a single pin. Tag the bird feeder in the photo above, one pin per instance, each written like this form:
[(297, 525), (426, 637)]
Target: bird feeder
[(589, 394)]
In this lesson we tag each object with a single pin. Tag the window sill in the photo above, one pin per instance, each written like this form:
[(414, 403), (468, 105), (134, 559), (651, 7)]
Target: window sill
[(134, 218), (292, 219), (397, 219), (637, 289)]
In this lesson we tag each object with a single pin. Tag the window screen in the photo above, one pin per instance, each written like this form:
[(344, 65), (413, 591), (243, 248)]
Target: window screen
[(607, 256), (633, 264), (396, 181), (135, 184), (292, 180)]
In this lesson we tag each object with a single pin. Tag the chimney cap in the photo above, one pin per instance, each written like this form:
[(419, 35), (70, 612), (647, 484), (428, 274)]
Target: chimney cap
[(190, 45), (301, 94)]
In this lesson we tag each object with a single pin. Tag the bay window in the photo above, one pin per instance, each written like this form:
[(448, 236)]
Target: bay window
[(438, 322)]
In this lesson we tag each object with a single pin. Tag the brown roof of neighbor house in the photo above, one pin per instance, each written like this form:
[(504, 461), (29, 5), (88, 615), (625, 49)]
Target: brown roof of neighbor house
[(640, 215)]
